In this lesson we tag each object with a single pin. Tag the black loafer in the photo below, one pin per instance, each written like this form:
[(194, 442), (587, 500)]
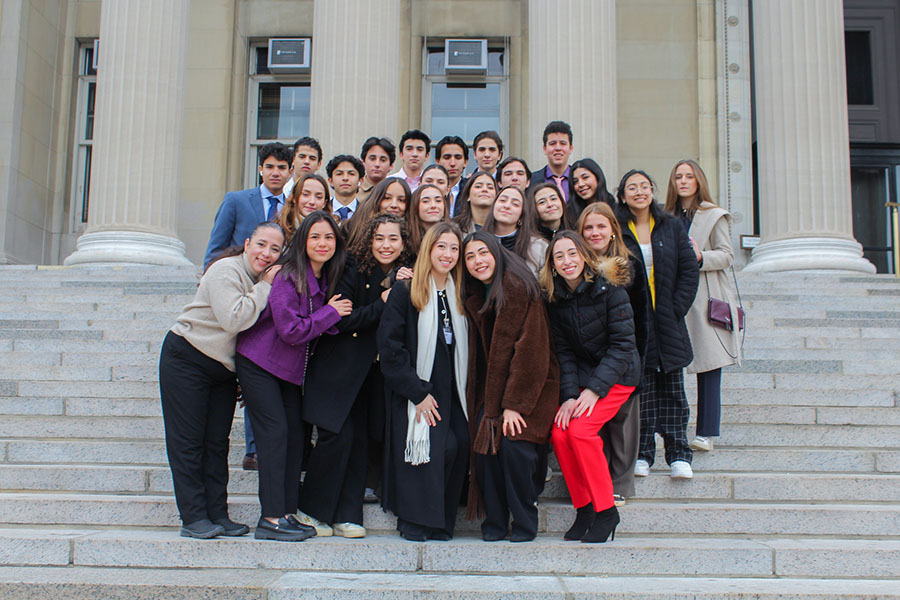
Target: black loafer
[(232, 529), (283, 531), (203, 529)]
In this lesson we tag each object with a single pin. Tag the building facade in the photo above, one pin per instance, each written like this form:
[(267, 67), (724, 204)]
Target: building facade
[(123, 122)]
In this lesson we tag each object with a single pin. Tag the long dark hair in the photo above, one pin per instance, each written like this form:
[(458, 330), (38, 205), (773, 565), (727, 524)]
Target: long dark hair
[(367, 210), (294, 260), (525, 230), (623, 213), (576, 203), (463, 217), (417, 228), (362, 248), (504, 262), (565, 222)]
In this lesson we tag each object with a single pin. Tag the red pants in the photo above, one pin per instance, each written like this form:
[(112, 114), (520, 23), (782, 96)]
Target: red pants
[(579, 450)]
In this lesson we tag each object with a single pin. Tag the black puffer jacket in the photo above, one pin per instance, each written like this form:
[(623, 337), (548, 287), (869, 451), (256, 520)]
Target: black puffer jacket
[(675, 276), (593, 330)]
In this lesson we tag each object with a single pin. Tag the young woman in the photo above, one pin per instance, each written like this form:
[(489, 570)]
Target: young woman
[(435, 174), (428, 207), (344, 388), (513, 386), (423, 345), (550, 209), (593, 330), (514, 222), (688, 198), (621, 436), (197, 383), (475, 202), (513, 170), (271, 363), (390, 196), (586, 186), (309, 194), (670, 266)]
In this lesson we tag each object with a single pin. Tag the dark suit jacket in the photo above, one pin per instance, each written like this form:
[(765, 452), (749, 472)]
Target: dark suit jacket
[(238, 215), (539, 177), (456, 204)]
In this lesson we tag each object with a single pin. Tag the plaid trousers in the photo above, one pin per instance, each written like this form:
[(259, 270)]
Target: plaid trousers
[(664, 410)]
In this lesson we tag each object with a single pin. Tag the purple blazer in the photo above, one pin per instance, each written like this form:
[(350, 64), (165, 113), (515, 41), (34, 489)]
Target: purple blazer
[(281, 339)]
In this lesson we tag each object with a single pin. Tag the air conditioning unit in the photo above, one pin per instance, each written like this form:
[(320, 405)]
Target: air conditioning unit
[(288, 55), (95, 62), (465, 57)]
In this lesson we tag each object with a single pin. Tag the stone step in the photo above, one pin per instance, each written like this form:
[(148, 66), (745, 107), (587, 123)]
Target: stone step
[(770, 487), (77, 583), (723, 459), (625, 556), (648, 517)]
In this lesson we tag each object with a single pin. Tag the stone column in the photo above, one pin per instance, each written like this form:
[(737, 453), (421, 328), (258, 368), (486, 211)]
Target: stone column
[(137, 136), (355, 73), (803, 139), (572, 77)]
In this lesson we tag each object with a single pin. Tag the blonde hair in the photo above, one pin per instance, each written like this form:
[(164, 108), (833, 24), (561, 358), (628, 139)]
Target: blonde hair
[(616, 245), (547, 275), (421, 282), (702, 195)]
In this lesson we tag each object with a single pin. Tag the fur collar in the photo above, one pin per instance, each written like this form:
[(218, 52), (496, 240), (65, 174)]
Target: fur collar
[(615, 270)]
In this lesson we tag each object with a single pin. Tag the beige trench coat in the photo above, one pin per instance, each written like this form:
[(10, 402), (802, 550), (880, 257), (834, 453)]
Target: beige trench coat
[(713, 347)]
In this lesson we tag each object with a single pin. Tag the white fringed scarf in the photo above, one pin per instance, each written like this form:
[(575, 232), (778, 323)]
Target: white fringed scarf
[(418, 436)]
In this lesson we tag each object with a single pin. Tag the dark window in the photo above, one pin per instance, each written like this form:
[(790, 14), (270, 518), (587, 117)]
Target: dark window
[(858, 48)]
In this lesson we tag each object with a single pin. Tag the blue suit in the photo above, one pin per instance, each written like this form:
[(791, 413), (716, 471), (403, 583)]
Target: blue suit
[(236, 219)]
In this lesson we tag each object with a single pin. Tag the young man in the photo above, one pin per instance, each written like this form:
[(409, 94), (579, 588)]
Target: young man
[(557, 149), (235, 220), (415, 148), (344, 173), (240, 212), (378, 156), (453, 154), (513, 170), (307, 159), (488, 151)]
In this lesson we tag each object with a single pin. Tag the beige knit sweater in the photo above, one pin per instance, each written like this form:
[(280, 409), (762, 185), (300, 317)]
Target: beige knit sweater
[(228, 301)]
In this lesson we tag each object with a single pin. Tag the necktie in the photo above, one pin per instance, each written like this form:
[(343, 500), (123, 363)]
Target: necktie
[(344, 213), (559, 183), (273, 208)]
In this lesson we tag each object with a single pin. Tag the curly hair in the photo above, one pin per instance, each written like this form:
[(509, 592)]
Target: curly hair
[(362, 247)]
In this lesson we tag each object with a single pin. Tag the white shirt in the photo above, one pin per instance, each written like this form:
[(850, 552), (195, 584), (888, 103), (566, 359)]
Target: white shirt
[(647, 253), (265, 193), (335, 205)]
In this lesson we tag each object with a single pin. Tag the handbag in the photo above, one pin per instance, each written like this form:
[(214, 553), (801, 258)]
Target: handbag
[(718, 312)]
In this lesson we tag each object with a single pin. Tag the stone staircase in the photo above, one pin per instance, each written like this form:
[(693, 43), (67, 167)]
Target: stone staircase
[(800, 499)]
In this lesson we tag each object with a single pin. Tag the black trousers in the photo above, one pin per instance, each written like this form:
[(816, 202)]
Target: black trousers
[(198, 396), (273, 406), (506, 480), (621, 438), (332, 491), (709, 402)]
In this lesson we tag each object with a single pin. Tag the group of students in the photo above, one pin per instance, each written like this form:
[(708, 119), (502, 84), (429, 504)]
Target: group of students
[(436, 356)]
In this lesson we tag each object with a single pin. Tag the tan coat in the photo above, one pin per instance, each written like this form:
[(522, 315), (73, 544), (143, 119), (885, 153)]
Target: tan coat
[(713, 347)]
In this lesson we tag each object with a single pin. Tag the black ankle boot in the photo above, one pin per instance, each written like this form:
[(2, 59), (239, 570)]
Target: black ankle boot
[(605, 523), (584, 518)]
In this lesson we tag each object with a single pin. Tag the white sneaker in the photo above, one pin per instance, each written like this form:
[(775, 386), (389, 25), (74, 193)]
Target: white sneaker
[(349, 530), (641, 468), (681, 470), (322, 529), (704, 444)]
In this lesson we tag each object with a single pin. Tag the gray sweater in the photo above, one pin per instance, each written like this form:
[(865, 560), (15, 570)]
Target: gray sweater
[(228, 301)]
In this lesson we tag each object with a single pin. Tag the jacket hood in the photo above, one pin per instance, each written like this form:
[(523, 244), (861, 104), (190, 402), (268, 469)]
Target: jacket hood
[(615, 270)]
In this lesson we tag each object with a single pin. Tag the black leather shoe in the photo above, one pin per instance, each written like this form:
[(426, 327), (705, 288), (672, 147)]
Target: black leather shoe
[(250, 463), (283, 531), (232, 529), (203, 529), (439, 535)]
